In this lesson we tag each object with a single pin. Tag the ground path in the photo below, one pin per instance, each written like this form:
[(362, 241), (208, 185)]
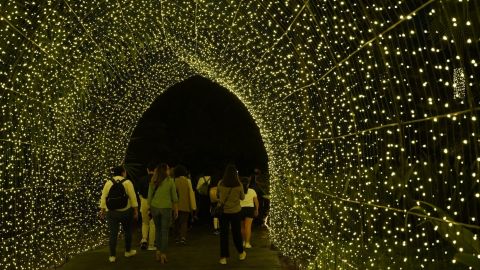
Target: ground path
[(201, 252)]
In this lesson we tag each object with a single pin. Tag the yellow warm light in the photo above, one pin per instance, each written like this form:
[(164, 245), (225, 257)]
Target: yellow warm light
[(367, 109)]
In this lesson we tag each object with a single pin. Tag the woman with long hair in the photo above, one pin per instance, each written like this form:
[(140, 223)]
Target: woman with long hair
[(249, 211), (230, 192), (162, 198)]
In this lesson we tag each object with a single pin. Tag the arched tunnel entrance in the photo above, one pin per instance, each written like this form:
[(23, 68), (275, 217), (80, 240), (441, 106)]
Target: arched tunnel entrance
[(201, 125), (368, 111)]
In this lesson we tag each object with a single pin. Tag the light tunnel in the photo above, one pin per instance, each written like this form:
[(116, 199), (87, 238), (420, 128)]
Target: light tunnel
[(369, 112)]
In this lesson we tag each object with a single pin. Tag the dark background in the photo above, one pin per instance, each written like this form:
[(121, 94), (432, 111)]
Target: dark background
[(199, 124)]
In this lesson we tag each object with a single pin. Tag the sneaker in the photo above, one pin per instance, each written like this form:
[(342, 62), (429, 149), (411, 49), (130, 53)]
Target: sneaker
[(242, 256), (216, 232), (182, 241), (247, 245), (130, 253), (112, 259), (143, 245), (151, 248), (223, 261)]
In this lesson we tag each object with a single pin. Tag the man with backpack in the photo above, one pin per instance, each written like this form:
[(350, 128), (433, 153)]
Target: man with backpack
[(119, 204)]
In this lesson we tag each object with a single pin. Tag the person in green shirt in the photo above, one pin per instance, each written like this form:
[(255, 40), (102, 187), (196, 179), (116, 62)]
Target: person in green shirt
[(162, 198)]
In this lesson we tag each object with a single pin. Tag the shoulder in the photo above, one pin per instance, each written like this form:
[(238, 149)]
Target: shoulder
[(108, 183), (127, 182)]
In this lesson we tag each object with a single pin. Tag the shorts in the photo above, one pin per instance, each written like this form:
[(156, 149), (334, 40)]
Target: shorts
[(247, 212)]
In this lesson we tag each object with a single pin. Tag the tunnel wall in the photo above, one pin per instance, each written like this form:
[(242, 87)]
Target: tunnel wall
[(368, 110)]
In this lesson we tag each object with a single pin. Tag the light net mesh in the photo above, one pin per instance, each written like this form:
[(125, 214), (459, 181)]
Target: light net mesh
[(368, 110)]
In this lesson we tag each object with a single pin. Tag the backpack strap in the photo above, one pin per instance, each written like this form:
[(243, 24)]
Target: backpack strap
[(205, 180), (121, 182)]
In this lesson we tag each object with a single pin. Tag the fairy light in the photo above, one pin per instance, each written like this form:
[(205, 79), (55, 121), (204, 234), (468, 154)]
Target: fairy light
[(372, 163), (459, 83)]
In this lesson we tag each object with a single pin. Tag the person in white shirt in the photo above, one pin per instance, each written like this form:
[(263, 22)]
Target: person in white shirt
[(124, 215), (249, 211)]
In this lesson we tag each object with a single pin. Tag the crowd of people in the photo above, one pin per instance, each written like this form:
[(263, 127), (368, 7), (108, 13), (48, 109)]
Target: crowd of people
[(167, 199)]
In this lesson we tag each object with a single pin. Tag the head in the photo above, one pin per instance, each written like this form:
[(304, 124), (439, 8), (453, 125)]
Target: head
[(246, 183), (119, 171), (230, 176), (160, 173), (214, 182), (180, 170), (170, 170), (151, 167)]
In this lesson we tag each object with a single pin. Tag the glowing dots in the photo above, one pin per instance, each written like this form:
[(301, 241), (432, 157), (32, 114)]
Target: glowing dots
[(459, 83), (354, 103)]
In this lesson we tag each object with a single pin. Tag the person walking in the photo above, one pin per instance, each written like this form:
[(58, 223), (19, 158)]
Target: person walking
[(186, 203), (230, 192), (162, 198), (202, 188), (119, 204), (148, 226), (213, 202), (249, 211)]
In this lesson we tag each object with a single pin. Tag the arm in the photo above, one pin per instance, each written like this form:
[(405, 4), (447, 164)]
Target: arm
[(217, 192), (133, 198), (103, 199), (213, 195), (200, 182), (242, 195), (174, 196), (150, 193), (255, 202), (193, 202)]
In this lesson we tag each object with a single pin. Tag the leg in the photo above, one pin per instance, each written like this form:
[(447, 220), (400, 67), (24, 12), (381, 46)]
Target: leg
[(224, 227), (145, 218), (216, 223), (183, 219), (236, 232), (127, 220), (157, 220), (176, 227), (113, 227), (248, 229), (243, 230), (166, 214), (151, 233)]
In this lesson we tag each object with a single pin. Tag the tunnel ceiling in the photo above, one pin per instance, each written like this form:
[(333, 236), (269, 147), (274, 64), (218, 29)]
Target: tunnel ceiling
[(368, 110)]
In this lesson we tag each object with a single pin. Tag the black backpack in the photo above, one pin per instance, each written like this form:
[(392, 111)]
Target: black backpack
[(117, 197)]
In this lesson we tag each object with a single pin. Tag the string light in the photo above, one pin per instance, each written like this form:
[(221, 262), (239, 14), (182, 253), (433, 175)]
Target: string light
[(372, 163), (459, 83)]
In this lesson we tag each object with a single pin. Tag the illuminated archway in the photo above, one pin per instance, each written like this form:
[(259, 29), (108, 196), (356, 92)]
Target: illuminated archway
[(368, 112)]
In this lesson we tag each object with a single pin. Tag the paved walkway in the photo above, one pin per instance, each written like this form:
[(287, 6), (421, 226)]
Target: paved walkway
[(201, 252)]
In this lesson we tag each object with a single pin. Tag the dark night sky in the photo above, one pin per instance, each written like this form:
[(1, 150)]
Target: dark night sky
[(199, 124)]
